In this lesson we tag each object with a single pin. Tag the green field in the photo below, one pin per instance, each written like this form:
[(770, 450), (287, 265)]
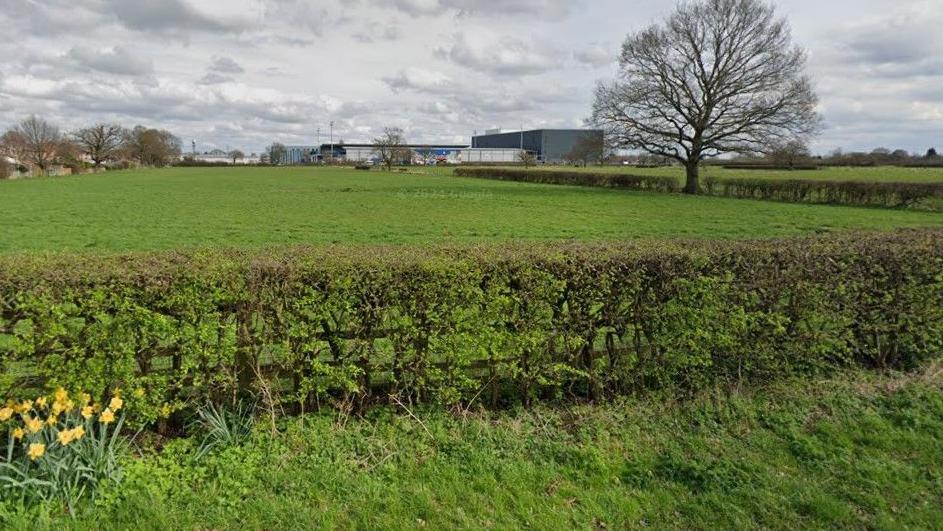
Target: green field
[(199, 207), (856, 452), (879, 173)]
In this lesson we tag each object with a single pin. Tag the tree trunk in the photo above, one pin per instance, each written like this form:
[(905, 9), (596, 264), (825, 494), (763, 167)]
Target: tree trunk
[(692, 186)]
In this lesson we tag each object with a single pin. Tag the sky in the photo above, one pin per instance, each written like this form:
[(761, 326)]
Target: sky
[(240, 74)]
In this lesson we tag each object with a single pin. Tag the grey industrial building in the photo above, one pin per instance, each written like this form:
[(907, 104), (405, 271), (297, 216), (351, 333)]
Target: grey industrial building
[(549, 145)]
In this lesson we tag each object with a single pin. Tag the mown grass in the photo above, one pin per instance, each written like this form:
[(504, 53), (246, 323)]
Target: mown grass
[(239, 207), (856, 451)]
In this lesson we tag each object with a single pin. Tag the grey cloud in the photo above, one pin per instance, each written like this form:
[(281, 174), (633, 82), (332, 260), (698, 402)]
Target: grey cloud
[(508, 56), (112, 61), (225, 65), (595, 56), (552, 9), (171, 16)]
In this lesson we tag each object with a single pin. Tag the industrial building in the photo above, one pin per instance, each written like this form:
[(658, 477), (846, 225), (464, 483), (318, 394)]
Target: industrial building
[(549, 145), (423, 153)]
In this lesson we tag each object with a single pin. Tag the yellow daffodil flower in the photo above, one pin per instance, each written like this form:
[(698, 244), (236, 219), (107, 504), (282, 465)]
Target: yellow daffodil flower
[(88, 412), (52, 420), (36, 450), (107, 417), (64, 437), (41, 401), (78, 432), (24, 407), (61, 395), (5, 414), (116, 403), (34, 425), (85, 399), (18, 433)]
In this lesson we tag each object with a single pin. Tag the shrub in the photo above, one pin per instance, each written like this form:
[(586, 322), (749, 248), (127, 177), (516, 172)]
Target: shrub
[(608, 180), (59, 450), (346, 326), (857, 193)]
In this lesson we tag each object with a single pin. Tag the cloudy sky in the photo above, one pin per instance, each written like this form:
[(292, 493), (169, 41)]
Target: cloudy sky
[(242, 73)]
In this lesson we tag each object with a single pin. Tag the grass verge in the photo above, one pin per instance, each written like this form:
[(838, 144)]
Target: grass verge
[(860, 450)]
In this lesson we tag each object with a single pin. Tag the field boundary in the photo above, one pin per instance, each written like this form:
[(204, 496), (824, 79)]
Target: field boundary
[(489, 324)]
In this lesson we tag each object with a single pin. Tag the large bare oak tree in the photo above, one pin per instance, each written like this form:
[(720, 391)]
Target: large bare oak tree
[(717, 76)]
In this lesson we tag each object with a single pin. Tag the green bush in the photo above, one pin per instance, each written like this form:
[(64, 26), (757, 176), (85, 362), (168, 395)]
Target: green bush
[(303, 328), (857, 193), (608, 180)]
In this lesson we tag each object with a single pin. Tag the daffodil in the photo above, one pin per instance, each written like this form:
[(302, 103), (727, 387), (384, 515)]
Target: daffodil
[(65, 437), (34, 425), (61, 395), (116, 403), (85, 399), (41, 401), (107, 416), (24, 407), (52, 420), (18, 433), (78, 432), (88, 412), (36, 450), (5, 414)]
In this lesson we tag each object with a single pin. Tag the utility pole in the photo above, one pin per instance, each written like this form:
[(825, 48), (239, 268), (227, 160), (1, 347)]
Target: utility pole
[(319, 144), (332, 141)]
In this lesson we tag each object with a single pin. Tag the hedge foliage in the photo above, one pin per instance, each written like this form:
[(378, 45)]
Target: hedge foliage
[(858, 193), (852, 193), (495, 325), (608, 180)]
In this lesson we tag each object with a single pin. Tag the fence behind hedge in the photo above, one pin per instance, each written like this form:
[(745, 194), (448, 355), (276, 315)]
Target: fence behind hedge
[(308, 327), (608, 180)]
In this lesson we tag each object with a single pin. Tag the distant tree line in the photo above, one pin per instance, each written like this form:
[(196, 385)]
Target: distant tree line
[(39, 144)]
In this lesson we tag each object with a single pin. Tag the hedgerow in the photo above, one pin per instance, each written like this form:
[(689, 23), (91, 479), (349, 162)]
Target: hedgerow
[(296, 329), (859, 193), (853, 193), (607, 180)]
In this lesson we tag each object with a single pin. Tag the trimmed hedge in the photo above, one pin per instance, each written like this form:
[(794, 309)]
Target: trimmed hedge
[(495, 325), (608, 180), (857, 193)]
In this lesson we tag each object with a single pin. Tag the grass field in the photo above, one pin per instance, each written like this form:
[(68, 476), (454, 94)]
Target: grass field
[(880, 173), (861, 451), (195, 207)]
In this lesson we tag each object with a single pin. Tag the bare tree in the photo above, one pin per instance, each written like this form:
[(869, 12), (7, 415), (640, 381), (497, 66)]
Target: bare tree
[(789, 154), (527, 158), (277, 153), (391, 147), (589, 149), (236, 155), (101, 142), (40, 142), (152, 147), (717, 76), (13, 145)]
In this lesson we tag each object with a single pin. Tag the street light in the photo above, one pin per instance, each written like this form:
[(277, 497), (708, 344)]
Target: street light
[(332, 141)]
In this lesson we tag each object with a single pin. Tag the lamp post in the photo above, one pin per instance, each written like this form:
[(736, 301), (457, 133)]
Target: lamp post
[(332, 141)]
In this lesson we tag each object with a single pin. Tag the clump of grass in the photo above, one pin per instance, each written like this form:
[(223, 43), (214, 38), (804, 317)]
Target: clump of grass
[(222, 427)]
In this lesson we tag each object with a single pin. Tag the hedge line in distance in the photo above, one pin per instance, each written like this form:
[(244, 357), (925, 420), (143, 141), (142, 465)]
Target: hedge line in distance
[(852, 193)]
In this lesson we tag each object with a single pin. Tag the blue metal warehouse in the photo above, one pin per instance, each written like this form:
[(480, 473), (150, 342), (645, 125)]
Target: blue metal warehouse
[(549, 145)]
